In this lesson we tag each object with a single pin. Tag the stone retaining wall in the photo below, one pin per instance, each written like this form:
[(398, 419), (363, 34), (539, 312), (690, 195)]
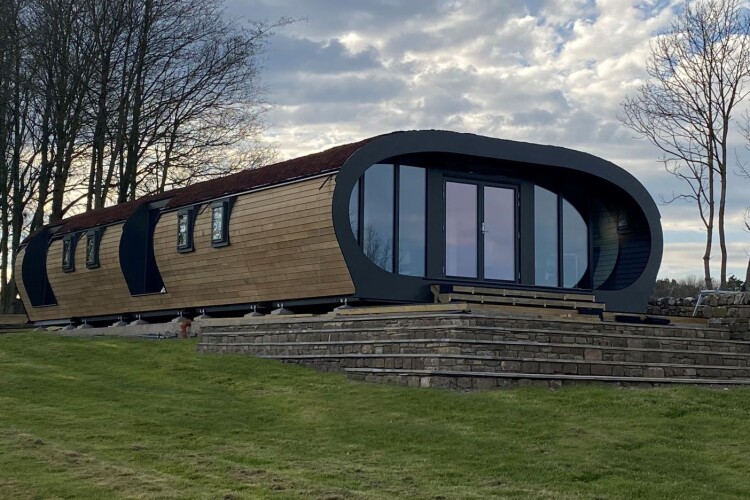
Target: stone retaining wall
[(729, 310), (473, 351)]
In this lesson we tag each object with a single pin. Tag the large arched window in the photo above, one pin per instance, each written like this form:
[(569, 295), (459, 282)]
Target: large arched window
[(387, 213)]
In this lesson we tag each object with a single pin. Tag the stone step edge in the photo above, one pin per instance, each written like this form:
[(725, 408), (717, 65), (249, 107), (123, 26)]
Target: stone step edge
[(472, 328), (215, 322), (543, 376), (502, 358), (469, 341)]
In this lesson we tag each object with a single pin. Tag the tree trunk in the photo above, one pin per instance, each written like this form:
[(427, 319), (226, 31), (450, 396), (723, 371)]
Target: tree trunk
[(45, 167), (128, 182), (722, 236), (709, 228)]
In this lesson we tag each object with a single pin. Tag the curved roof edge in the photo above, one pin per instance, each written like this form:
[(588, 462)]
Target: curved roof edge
[(441, 141), (436, 141)]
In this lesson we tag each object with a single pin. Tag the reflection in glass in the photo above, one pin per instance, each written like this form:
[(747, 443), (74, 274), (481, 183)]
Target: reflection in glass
[(499, 230), (90, 248), (575, 245), (604, 244), (460, 229), (545, 238), (378, 215), (217, 223), (354, 211), (67, 253), (411, 221), (182, 230)]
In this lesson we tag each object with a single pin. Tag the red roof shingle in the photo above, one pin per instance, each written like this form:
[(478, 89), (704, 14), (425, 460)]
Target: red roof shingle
[(326, 161)]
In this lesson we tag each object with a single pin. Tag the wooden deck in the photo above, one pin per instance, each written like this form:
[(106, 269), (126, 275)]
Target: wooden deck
[(577, 303)]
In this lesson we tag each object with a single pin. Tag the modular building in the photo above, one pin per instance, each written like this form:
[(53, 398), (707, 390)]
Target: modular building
[(377, 221)]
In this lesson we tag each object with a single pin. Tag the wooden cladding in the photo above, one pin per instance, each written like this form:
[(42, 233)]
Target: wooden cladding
[(92, 292), (281, 247)]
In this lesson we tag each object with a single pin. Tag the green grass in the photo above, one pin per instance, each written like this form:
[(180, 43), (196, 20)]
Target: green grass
[(94, 418)]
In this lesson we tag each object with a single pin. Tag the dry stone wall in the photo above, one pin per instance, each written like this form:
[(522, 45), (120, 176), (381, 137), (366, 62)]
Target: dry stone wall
[(730, 310)]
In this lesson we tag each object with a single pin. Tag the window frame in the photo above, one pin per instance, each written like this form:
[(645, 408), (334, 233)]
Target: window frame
[(189, 213), (69, 251), (94, 234), (359, 236), (584, 280), (226, 207)]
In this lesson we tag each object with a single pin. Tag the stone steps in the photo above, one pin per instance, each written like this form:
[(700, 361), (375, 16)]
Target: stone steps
[(470, 350), (493, 348), (482, 333), (499, 364), (396, 321), (473, 380)]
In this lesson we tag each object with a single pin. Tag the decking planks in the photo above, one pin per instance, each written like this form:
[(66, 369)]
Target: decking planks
[(445, 298), (533, 294)]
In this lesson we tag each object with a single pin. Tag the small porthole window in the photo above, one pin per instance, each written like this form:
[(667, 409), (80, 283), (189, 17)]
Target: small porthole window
[(220, 223), (93, 238), (185, 230), (68, 254)]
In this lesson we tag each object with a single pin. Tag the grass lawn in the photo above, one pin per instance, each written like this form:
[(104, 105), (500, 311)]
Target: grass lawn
[(96, 418)]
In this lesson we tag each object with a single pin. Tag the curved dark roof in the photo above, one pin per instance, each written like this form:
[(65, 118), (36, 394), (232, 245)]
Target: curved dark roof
[(542, 158), (329, 160)]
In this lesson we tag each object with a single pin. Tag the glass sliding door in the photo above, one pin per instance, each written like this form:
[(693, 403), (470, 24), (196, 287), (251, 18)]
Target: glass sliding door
[(480, 231), (461, 229), (499, 231)]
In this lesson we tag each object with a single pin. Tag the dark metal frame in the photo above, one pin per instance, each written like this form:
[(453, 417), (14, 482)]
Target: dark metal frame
[(34, 269), (481, 182), (96, 235), (136, 251), (226, 205), (572, 174), (188, 212), (396, 215), (69, 250)]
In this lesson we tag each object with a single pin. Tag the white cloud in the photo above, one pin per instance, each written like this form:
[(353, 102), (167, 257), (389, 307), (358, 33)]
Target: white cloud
[(547, 71)]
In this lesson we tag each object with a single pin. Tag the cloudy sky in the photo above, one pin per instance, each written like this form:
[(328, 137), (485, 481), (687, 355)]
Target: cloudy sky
[(544, 71)]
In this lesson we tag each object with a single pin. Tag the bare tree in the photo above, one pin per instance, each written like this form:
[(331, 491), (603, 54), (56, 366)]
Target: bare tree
[(697, 72), (17, 154), (8, 41), (61, 51), (104, 101), (196, 91)]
